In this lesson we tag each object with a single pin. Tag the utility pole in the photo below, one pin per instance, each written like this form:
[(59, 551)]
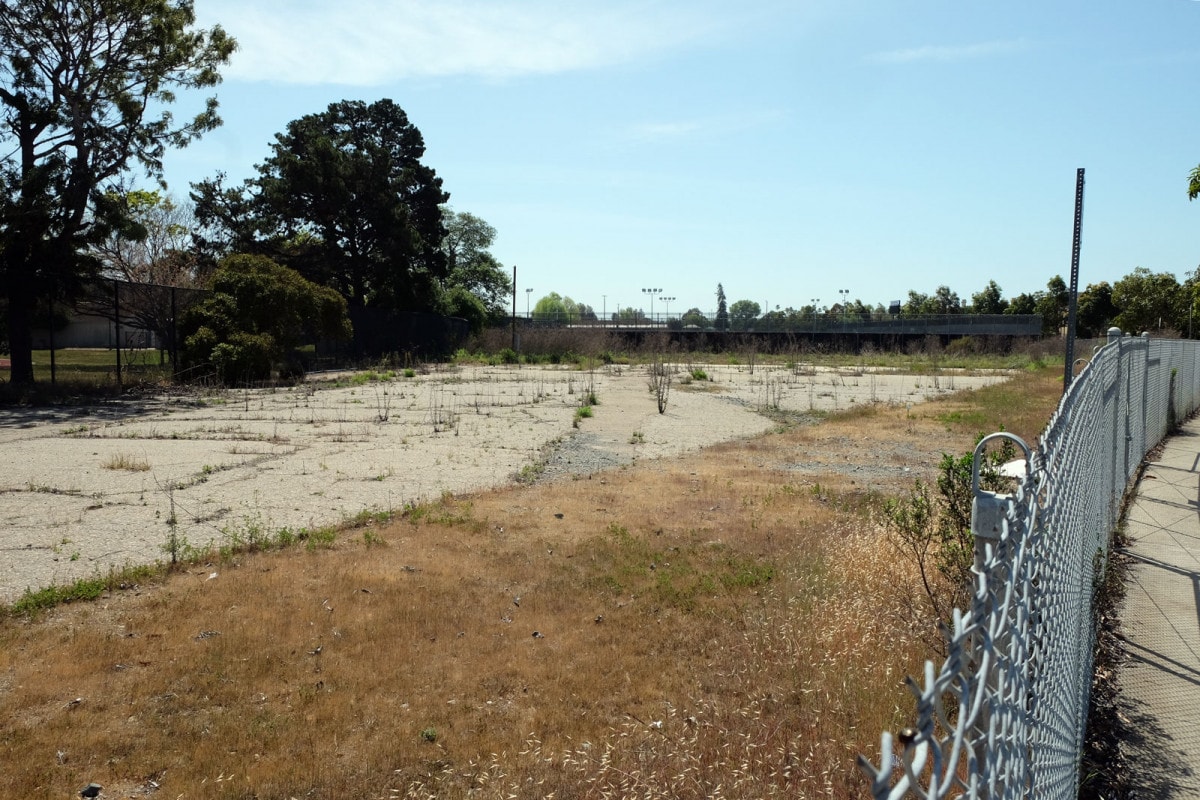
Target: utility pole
[(514, 313)]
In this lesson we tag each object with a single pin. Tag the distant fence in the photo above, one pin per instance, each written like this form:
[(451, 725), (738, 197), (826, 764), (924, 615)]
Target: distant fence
[(123, 315), (412, 335), (866, 324), (1005, 715), (114, 313), (117, 315)]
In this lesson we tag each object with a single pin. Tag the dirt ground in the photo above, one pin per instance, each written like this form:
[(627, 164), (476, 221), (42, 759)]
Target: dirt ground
[(86, 489)]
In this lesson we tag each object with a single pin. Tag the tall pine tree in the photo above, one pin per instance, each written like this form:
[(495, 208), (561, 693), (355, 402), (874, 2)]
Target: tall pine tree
[(722, 321)]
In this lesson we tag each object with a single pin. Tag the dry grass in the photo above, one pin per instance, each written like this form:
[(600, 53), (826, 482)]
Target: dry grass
[(124, 461), (714, 626)]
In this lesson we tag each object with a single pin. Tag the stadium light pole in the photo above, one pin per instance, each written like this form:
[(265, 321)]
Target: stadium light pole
[(651, 292)]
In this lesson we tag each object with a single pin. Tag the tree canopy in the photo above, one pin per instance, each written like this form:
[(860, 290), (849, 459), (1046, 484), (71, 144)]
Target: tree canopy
[(558, 309), (989, 301), (1053, 305), (1095, 312), (469, 264), (694, 318), (743, 313), (345, 199), (722, 318), (152, 252), (84, 90), (1147, 301), (154, 246), (942, 301)]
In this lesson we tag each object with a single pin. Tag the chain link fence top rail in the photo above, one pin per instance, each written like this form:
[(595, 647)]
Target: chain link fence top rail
[(1005, 715)]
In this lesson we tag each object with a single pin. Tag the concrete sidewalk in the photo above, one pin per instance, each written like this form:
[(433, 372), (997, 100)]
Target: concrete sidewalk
[(1160, 682)]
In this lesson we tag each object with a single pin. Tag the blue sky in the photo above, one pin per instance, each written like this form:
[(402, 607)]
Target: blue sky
[(787, 150)]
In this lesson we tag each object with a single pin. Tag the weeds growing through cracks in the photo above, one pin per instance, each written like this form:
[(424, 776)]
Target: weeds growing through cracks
[(584, 411), (383, 403), (124, 461), (660, 382)]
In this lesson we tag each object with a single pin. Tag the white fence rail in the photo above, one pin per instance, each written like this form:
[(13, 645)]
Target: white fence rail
[(1005, 715)]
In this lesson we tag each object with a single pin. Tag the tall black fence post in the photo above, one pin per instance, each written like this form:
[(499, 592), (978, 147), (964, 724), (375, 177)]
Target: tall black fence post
[(174, 334), (117, 327), (50, 326)]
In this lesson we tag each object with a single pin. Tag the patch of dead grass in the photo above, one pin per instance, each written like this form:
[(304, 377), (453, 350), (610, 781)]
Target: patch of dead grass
[(126, 462), (713, 626)]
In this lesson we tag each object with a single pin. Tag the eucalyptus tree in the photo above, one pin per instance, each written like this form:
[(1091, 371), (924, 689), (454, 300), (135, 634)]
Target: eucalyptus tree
[(85, 92)]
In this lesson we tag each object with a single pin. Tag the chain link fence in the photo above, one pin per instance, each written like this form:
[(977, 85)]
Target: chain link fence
[(1005, 715), (133, 319)]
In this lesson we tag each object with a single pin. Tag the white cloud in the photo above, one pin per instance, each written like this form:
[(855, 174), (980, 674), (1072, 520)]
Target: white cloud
[(949, 52), (651, 132), (370, 42)]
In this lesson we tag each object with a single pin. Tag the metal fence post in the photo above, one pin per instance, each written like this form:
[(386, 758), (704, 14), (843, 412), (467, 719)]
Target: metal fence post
[(117, 326), (174, 334), (50, 327)]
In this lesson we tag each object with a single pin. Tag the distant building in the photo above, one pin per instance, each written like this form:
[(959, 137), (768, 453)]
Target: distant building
[(90, 330)]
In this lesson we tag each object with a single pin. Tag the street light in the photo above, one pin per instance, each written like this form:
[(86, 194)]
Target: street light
[(651, 292), (527, 293)]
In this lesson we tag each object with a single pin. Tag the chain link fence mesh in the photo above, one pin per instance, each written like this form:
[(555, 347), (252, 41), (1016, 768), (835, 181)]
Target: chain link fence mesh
[(1005, 715)]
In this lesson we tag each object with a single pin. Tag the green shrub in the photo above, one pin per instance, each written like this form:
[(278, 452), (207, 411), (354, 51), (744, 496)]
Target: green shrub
[(256, 317), (243, 357)]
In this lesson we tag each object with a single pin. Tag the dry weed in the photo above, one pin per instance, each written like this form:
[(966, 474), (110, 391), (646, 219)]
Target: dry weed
[(127, 462)]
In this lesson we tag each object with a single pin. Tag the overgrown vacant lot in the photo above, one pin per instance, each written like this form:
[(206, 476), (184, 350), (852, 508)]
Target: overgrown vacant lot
[(727, 623), (90, 488)]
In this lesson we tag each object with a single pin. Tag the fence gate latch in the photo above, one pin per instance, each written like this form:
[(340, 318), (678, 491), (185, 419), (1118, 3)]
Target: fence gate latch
[(989, 508)]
